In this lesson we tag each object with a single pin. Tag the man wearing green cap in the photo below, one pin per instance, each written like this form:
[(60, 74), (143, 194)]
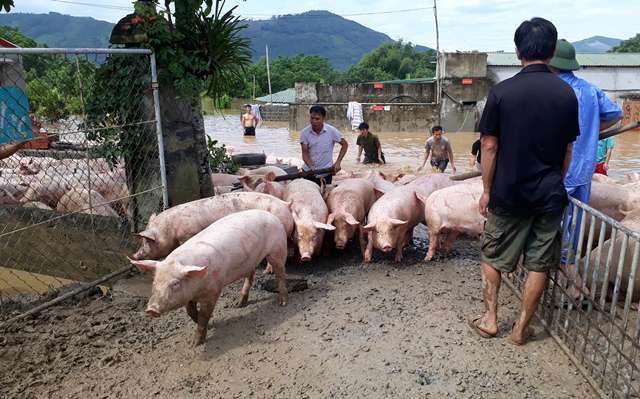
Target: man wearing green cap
[(596, 113)]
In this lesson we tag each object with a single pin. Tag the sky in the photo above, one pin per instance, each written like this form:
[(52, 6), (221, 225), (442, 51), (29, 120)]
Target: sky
[(483, 25)]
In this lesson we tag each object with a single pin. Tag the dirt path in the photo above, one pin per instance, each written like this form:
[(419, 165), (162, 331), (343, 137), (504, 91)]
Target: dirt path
[(359, 331)]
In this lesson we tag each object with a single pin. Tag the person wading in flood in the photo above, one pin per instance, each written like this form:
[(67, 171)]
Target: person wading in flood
[(528, 128), (248, 121), (317, 141), (440, 150), (370, 143)]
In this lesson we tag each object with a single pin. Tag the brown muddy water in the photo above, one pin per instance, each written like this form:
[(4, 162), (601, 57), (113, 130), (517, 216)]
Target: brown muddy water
[(403, 150)]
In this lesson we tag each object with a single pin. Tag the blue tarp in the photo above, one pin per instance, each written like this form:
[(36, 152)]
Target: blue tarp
[(15, 123)]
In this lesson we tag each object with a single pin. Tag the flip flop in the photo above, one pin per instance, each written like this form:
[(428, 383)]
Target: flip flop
[(476, 329), (525, 339)]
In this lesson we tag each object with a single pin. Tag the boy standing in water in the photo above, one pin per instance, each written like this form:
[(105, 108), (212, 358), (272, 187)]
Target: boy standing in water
[(248, 121)]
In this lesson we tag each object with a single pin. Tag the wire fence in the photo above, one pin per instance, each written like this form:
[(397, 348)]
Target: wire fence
[(80, 167), (591, 306)]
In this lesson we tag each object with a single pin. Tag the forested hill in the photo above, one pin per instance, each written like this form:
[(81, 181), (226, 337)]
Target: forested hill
[(343, 42), (58, 30)]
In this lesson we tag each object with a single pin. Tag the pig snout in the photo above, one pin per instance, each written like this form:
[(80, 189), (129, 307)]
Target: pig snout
[(152, 311), (340, 245), (305, 257), (386, 248)]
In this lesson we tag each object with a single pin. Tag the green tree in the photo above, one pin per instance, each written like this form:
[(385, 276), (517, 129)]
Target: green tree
[(395, 60), (631, 45), (6, 5)]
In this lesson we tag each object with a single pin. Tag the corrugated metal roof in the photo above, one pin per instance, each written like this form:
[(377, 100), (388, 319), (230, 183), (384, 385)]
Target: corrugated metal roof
[(287, 96), (584, 59)]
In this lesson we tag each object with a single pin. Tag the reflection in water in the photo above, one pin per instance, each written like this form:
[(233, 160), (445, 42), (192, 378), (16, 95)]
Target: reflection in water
[(402, 149)]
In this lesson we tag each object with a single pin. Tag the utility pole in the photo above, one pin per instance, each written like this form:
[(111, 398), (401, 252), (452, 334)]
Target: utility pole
[(254, 87), (268, 74), (438, 69)]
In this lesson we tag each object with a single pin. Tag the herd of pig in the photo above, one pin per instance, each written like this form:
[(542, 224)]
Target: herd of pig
[(198, 248), (66, 185), (212, 242)]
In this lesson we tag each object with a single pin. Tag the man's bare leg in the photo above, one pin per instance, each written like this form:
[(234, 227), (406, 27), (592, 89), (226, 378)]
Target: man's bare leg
[(491, 279), (533, 289)]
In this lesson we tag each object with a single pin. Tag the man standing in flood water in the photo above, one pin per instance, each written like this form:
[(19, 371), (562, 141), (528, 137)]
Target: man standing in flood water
[(439, 149), (317, 141), (528, 128)]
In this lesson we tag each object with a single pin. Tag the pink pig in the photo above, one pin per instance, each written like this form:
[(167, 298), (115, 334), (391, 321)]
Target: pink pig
[(176, 225), (226, 251), (392, 218), (452, 211), (309, 213), (349, 204)]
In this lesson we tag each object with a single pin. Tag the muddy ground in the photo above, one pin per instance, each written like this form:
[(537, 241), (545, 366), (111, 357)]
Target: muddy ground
[(374, 331)]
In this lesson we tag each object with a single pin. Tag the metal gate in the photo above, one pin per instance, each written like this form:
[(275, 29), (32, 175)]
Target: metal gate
[(592, 311), (89, 171)]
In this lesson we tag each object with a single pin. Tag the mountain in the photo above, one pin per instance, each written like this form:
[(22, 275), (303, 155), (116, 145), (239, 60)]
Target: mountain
[(58, 30), (596, 44), (343, 42)]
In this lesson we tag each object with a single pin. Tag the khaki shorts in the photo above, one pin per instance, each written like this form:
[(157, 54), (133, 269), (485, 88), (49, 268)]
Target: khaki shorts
[(537, 238)]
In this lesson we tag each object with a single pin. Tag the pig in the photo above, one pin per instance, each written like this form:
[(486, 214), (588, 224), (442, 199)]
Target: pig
[(173, 227), (309, 213), (224, 179), (266, 186), (632, 177), (11, 192), (602, 179), (83, 200), (261, 171), (632, 222), (48, 188), (379, 182), (230, 249), (348, 205), (392, 218), (37, 205), (35, 165), (611, 199), (451, 211), (406, 179)]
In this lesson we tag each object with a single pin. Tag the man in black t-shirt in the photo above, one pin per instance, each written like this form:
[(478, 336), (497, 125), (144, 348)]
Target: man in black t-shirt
[(528, 128), (477, 157)]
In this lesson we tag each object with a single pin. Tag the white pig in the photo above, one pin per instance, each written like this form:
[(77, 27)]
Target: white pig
[(228, 250), (451, 211), (349, 204), (171, 228), (309, 213)]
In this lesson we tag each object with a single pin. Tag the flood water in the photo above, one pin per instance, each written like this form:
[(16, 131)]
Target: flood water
[(403, 150)]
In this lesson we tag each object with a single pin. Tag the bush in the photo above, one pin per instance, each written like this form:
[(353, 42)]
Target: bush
[(219, 160)]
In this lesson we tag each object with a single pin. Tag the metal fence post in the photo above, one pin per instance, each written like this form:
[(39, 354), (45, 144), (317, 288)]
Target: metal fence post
[(158, 117)]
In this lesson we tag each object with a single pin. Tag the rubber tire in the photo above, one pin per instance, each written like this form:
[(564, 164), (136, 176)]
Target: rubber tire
[(249, 159)]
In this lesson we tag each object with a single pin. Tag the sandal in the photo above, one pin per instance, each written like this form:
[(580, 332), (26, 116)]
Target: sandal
[(476, 328)]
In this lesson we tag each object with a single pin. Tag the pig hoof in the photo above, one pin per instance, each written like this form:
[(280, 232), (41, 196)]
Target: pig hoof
[(428, 258), (283, 303), (243, 303)]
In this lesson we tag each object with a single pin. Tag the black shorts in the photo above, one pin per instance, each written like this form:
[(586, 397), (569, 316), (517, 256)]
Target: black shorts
[(327, 179), (250, 131), (439, 165), (374, 159)]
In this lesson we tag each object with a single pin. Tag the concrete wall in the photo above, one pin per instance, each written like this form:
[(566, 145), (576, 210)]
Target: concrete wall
[(396, 118), (464, 65), (275, 112), (366, 93), (459, 103)]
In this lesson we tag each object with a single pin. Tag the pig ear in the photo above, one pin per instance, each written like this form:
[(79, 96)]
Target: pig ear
[(153, 216), (397, 222), (246, 183), (148, 234), (289, 204), (145, 265), (421, 198), (269, 176), (194, 271), (369, 227), (331, 218), (382, 175), (378, 192), (323, 226), (351, 220)]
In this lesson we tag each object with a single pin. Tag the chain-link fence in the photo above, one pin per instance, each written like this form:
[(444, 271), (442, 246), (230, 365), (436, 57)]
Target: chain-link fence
[(80, 167), (591, 306)]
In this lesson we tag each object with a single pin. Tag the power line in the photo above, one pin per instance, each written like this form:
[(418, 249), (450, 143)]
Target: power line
[(107, 6), (345, 15)]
